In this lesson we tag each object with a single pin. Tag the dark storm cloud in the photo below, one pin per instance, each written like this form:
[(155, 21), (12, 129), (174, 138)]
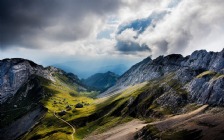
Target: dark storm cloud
[(29, 23), (129, 47)]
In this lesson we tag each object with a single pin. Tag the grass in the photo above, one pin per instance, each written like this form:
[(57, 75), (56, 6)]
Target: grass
[(148, 132), (97, 115), (60, 94), (214, 75), (206, 73), (56, 97), (218, 76), (191, 107), (100, 126), (106, 109)]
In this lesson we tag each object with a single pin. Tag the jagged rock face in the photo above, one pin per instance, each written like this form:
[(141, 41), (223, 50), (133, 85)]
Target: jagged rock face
[(185, 70), (147, 70), (207, 90), (14, 73), (22, 125), (205, 60)]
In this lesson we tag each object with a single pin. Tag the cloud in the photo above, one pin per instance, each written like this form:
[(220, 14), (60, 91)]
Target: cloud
[(173, 3), (131, 47), (127, 34), (136, 28), (45, 23), (186, 27), (126, 42), (141, 24)]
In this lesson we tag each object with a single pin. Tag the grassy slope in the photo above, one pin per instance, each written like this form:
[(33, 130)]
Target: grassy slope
[(57, 96), (102, 114), (97, 115), (61, 93), (214, 75), (189, 129), (106, 109)]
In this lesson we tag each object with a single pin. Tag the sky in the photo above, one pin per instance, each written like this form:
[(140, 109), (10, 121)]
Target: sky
[(98, 33)]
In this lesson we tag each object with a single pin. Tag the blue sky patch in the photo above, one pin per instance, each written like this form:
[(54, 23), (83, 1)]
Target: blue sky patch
[(140, 25)]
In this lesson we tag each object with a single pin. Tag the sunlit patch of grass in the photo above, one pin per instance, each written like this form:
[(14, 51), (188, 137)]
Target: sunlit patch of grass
[(110, 117), (214, 75), (48, 126), (91, 94), (58, 136), (218, 76), (206, 73), (57, 96), (191, 107), (61, 94)]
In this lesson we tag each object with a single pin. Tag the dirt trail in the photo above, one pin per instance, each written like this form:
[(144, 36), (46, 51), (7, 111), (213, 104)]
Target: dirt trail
[(121, 132), (172, 121), (128, 130), (73, 129)]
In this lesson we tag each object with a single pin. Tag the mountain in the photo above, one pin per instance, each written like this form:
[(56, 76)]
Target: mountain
[(101, 81), (177, 97), (85, 70), (27, 92), (118, 69), (170, 97), (200, 75), (15, 72)]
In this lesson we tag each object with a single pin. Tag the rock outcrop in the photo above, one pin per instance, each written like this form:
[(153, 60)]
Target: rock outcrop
[(15, 72), (185, 70), (22, 125)]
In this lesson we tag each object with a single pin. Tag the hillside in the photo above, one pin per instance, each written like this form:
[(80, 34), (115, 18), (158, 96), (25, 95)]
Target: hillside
[(101, 81), (199, 74), (170, 97), (31, 93)]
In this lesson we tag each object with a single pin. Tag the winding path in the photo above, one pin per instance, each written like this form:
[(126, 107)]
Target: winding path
[(73, 129), (128, 130)]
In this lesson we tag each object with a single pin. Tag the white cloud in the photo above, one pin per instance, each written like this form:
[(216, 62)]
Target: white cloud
[(72, 32), (190, 26), (127, 35)]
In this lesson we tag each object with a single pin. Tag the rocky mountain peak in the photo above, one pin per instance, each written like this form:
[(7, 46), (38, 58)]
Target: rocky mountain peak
[(15, 72), (200, 74), (205, 60), (173, 59)]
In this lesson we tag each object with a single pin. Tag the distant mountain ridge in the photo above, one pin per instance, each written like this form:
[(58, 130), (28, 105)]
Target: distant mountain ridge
[(101, 81), (200, 74), (169, 85), (85, 70), (24, 87)]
